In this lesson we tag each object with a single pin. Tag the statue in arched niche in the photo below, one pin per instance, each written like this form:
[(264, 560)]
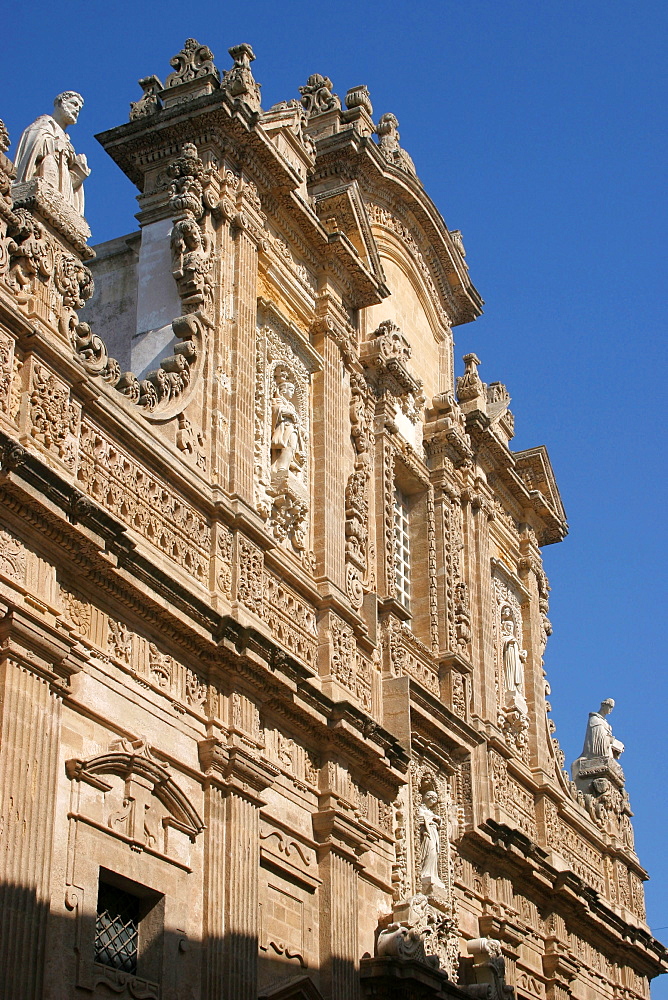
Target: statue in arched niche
[(513, 656), (287, 432), (430, 840)]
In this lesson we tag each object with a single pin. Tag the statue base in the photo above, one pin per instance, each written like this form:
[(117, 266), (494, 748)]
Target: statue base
[(586, 770), (42, 199)]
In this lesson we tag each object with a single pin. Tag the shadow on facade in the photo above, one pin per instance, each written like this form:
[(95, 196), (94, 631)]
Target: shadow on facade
[(51, 955)]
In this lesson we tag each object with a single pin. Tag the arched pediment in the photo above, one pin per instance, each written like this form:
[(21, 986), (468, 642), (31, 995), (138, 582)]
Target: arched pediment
[(143, 777)]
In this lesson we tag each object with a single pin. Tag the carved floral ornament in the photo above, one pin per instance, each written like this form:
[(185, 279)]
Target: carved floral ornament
[(317, 96), (384, 356)]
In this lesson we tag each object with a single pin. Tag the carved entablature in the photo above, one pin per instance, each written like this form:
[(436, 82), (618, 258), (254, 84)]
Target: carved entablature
[(510, 658), (404, 654), (135, 798), (284, 366)]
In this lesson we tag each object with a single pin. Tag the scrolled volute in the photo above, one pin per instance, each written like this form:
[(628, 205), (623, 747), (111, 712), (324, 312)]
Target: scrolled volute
[(191, 63)]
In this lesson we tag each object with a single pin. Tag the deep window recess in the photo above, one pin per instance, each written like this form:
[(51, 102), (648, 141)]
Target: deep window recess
[(117, 928), (402, 549)]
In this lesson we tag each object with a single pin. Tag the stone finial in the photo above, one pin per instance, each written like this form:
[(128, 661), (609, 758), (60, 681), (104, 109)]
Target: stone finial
[(150, 102), (469, 385), (191, 63), (317, 96), (238, 81), (359, 97), (387, 131), (5, 141)]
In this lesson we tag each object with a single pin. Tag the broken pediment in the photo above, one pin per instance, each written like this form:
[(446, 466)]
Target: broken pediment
[(136, 798)]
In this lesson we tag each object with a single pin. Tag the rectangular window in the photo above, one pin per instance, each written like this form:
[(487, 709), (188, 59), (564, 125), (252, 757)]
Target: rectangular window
[(402, 549), (117, 928)]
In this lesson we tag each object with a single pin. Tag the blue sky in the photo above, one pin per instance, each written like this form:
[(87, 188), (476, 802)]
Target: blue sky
[(539, 130)]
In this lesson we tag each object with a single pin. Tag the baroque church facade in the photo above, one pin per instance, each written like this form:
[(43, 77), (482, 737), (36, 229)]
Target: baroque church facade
[(273, 712)]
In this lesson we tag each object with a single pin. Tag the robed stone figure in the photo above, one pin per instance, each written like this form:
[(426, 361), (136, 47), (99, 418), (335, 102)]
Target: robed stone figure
[(45, 151)]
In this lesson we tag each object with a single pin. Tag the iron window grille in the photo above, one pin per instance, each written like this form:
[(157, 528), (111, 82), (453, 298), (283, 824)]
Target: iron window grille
[(402, 549), (117, 929)]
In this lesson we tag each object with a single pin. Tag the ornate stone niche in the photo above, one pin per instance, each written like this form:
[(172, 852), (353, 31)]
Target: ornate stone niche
[(284, 365), (425, 901), (513, 715)]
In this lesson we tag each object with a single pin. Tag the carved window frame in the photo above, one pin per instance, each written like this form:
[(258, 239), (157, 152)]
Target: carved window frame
[(94, 846), (414, 486)]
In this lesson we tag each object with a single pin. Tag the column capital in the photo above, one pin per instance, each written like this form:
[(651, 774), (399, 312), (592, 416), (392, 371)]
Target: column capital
[(234, 769)]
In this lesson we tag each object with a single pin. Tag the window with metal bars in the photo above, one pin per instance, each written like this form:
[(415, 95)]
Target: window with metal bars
[(402, 549), (117, 928)]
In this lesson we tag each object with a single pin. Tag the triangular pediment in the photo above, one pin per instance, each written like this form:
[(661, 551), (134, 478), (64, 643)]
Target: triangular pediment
[(534, 468), (342, 209)]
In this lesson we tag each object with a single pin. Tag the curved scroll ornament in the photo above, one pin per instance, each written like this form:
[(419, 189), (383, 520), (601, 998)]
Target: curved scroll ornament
[(164, 392), (191, 63), (317, 96)]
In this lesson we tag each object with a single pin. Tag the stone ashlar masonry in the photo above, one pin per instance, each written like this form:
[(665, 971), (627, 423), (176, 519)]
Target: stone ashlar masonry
[(319, 762)]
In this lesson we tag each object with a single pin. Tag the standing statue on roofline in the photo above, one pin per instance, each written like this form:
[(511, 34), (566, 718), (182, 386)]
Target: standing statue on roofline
[(45, 151), (599, 741)]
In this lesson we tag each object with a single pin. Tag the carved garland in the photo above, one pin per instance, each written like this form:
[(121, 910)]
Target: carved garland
[(356, 497)]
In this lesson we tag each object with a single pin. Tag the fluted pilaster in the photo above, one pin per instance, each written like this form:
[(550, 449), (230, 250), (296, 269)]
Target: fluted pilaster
[(29, 738)]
